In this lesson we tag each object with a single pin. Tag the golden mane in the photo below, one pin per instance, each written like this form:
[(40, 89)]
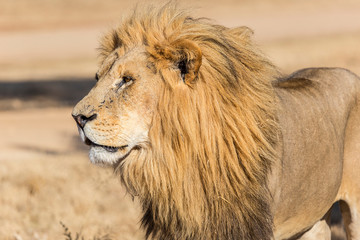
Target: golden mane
[(204, 172)]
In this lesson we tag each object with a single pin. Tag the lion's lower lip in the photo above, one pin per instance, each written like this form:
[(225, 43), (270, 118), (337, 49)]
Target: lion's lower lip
[(110, 149), (107, 148)]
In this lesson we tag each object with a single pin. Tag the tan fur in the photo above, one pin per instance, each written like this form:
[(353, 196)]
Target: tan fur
[(200, 141)]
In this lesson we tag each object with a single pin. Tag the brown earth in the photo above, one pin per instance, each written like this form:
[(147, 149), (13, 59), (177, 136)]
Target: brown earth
[(47, 63)]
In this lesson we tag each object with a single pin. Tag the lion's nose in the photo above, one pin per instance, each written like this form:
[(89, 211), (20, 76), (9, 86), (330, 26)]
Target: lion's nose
[(81, 120)]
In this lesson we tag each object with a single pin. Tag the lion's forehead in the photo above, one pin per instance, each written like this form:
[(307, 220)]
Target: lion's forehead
[(119, 60)]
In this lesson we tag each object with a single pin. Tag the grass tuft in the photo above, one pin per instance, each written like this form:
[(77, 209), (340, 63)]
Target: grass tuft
[(68, 235)]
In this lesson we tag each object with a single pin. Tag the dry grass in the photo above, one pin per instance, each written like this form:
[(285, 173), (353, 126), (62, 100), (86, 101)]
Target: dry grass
[(51, 187), (42, 193), (69, 236)]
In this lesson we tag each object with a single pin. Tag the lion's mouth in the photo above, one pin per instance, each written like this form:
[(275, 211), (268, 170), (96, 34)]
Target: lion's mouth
[(107, 148), (87, 141), (107, 155)]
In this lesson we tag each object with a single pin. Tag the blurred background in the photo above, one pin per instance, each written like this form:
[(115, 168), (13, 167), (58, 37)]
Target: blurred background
[(48, 54)]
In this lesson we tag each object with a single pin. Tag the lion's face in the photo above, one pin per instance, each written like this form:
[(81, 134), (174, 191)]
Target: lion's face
[(115, 117)]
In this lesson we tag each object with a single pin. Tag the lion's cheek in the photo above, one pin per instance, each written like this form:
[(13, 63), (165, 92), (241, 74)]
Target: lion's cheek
[(132, 128)]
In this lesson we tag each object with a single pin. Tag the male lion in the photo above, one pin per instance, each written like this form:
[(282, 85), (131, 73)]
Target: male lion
[(214, 144)]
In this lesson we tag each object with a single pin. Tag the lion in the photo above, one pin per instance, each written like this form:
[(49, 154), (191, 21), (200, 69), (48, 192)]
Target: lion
[(214, 142)]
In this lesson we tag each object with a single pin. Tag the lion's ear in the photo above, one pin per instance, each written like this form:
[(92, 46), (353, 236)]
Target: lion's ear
[(188, 60)]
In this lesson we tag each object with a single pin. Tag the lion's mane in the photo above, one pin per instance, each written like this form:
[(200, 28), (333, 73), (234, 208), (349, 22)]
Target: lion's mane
[(204, 172)]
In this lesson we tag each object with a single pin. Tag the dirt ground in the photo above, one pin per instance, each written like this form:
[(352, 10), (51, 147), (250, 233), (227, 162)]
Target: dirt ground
[(47, 62)]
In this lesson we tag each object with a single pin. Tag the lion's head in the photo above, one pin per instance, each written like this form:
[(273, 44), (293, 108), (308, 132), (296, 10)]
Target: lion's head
[(183, 110)]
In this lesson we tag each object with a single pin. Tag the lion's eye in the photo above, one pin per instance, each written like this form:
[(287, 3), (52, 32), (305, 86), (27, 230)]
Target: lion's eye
[(127, 78), (124, 80)]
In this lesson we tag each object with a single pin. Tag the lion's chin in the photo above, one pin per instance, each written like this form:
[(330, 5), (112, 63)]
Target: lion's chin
[(100, 156)]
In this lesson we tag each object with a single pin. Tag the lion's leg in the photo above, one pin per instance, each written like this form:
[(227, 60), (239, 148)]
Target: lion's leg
[(320, 231), (351, 215)]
